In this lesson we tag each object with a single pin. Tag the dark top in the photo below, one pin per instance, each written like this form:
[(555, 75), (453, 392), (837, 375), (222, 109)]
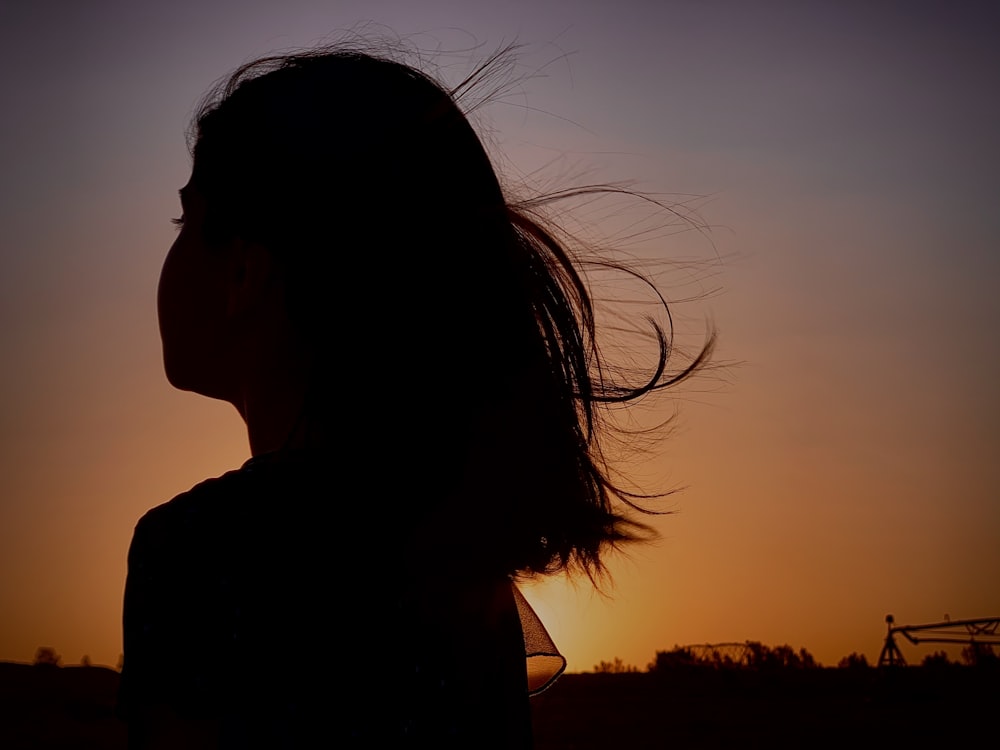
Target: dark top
[(273, 609)]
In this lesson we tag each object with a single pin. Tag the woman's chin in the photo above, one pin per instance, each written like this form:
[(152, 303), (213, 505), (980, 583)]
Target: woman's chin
[(185, 379)]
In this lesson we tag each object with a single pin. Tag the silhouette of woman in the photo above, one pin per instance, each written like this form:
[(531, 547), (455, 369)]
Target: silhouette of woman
[(413, 355)]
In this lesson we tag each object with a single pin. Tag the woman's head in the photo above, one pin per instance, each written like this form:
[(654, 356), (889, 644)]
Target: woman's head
[(327, 158), (449, 335), (375, 197)]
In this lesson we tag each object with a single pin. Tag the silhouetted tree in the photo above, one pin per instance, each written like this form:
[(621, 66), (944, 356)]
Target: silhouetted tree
[(980, 655), (614, 667), (85, 661), (806, 660), (854, 660), (46, 656), (719, 660), (936, 660), (760, 656), (755, 655), (677, 657)]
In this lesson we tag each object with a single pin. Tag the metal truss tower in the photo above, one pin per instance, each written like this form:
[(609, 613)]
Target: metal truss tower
[(983, 631)]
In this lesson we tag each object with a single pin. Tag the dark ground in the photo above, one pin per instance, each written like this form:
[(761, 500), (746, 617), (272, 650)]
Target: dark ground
[(58, 707), (915, 707)]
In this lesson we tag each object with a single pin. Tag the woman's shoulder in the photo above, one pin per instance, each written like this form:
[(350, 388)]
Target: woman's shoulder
[(207, 498), (265, 499)]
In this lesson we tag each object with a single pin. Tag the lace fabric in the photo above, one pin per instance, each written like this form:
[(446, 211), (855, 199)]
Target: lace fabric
[(544, 661)]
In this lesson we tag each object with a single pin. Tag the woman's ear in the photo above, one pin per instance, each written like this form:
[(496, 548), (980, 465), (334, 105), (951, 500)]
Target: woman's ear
[(251, 275)]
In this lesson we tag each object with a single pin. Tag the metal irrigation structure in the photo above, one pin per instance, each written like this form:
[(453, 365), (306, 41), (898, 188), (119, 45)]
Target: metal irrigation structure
[(982, 631)]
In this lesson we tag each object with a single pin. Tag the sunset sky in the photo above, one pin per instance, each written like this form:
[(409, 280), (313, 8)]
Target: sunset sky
[(845, 157)]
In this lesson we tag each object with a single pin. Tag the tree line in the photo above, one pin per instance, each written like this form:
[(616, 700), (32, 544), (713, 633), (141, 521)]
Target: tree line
[(757, 656)]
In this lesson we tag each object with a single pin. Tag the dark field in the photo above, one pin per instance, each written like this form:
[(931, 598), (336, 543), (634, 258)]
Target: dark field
[(912, 707)]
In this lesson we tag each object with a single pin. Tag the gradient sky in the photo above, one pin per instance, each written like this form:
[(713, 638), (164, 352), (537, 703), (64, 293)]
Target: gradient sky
[(848, 155)]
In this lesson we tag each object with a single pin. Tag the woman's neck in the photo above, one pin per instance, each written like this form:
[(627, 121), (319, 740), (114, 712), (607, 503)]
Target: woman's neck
[(274, 405)]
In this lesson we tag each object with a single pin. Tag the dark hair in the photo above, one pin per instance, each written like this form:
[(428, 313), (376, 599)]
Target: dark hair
[(431, 303)]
